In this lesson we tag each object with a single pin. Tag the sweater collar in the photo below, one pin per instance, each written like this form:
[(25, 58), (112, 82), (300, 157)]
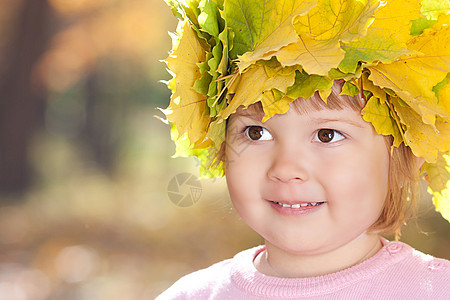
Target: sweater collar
[(247, 277)]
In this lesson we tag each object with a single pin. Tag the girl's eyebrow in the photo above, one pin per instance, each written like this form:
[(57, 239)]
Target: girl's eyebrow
[(250, 114), (341, 120)]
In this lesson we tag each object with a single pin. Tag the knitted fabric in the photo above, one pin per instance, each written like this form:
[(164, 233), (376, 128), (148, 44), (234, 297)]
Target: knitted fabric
[(397, 271)]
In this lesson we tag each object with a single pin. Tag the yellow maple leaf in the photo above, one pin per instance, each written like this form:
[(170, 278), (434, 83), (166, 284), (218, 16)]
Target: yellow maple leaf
[(216, 133), (316, 57), (386, 37), (186, 108), (395, 76), (424, 140), (253, 84), (275, 27), (441, 202), (395, 17), (318, 48), (273, 107), (438, 176), (435, 41), (413, 76), (376, 46), (375, 90), (343, 20)]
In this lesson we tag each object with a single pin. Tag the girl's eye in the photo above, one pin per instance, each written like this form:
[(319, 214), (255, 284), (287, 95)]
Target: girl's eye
[(328, 135), (257, 133)]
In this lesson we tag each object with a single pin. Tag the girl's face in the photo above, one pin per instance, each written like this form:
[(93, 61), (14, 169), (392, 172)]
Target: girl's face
[(308, 183)]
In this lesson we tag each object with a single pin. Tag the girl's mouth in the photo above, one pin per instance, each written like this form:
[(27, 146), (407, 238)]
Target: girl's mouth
[(298, 205)]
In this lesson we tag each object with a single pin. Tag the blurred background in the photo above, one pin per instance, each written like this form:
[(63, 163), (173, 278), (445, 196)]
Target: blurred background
[(85, 167)]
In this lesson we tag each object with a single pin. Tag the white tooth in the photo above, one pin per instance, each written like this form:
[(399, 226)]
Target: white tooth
[(286, 205), (304, 204), (295, 205)]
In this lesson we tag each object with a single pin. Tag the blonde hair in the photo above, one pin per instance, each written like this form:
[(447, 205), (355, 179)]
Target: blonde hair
[(400, 202)]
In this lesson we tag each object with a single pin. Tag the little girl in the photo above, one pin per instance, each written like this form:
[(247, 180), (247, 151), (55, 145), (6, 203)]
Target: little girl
[(320, 159)]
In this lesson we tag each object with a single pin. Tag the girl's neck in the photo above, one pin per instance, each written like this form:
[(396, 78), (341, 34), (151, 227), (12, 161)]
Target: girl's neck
[(279, 263)]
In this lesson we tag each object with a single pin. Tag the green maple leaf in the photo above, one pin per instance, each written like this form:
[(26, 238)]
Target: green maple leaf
[(263, 24), (381, 118)]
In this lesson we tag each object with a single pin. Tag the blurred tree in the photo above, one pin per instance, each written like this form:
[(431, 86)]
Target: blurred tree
[(21, 101), (101, 54), (97, 130)]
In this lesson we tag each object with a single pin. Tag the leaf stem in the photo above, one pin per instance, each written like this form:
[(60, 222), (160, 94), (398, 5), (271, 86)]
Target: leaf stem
[(226, 76), (233, 78), (394, 113)]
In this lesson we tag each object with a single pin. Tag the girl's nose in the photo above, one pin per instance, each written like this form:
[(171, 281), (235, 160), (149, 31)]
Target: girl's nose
[(289, 166)]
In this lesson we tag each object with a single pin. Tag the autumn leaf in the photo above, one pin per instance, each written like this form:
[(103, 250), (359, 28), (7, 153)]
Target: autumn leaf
[(349, 89), (435, 41), (413, 76), (306, 85), (271, 106), (262, 26), (380, 116), (315, 57), (432, 9), (185, 10), (338, 74), (438, 177), (375, 90), (442, 91), (420, 24), (438, 88), (441, 202), (215, 37), (274, 68), (226, 38), (209, 166), (424, 140), (209, 17), (386, 38), (419, 98), (438, 174), (216, 134), (253, 84), (318, 48), (376, 47), (186, 108), (343, 20)]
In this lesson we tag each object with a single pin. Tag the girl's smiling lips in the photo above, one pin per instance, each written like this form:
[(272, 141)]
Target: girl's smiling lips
[(295, 208), (298, 205)]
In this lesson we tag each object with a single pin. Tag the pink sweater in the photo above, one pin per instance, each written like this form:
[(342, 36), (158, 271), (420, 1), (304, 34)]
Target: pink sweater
[(397, 271)]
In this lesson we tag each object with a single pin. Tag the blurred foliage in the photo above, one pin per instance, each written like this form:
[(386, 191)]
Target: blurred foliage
[(83, 231)]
